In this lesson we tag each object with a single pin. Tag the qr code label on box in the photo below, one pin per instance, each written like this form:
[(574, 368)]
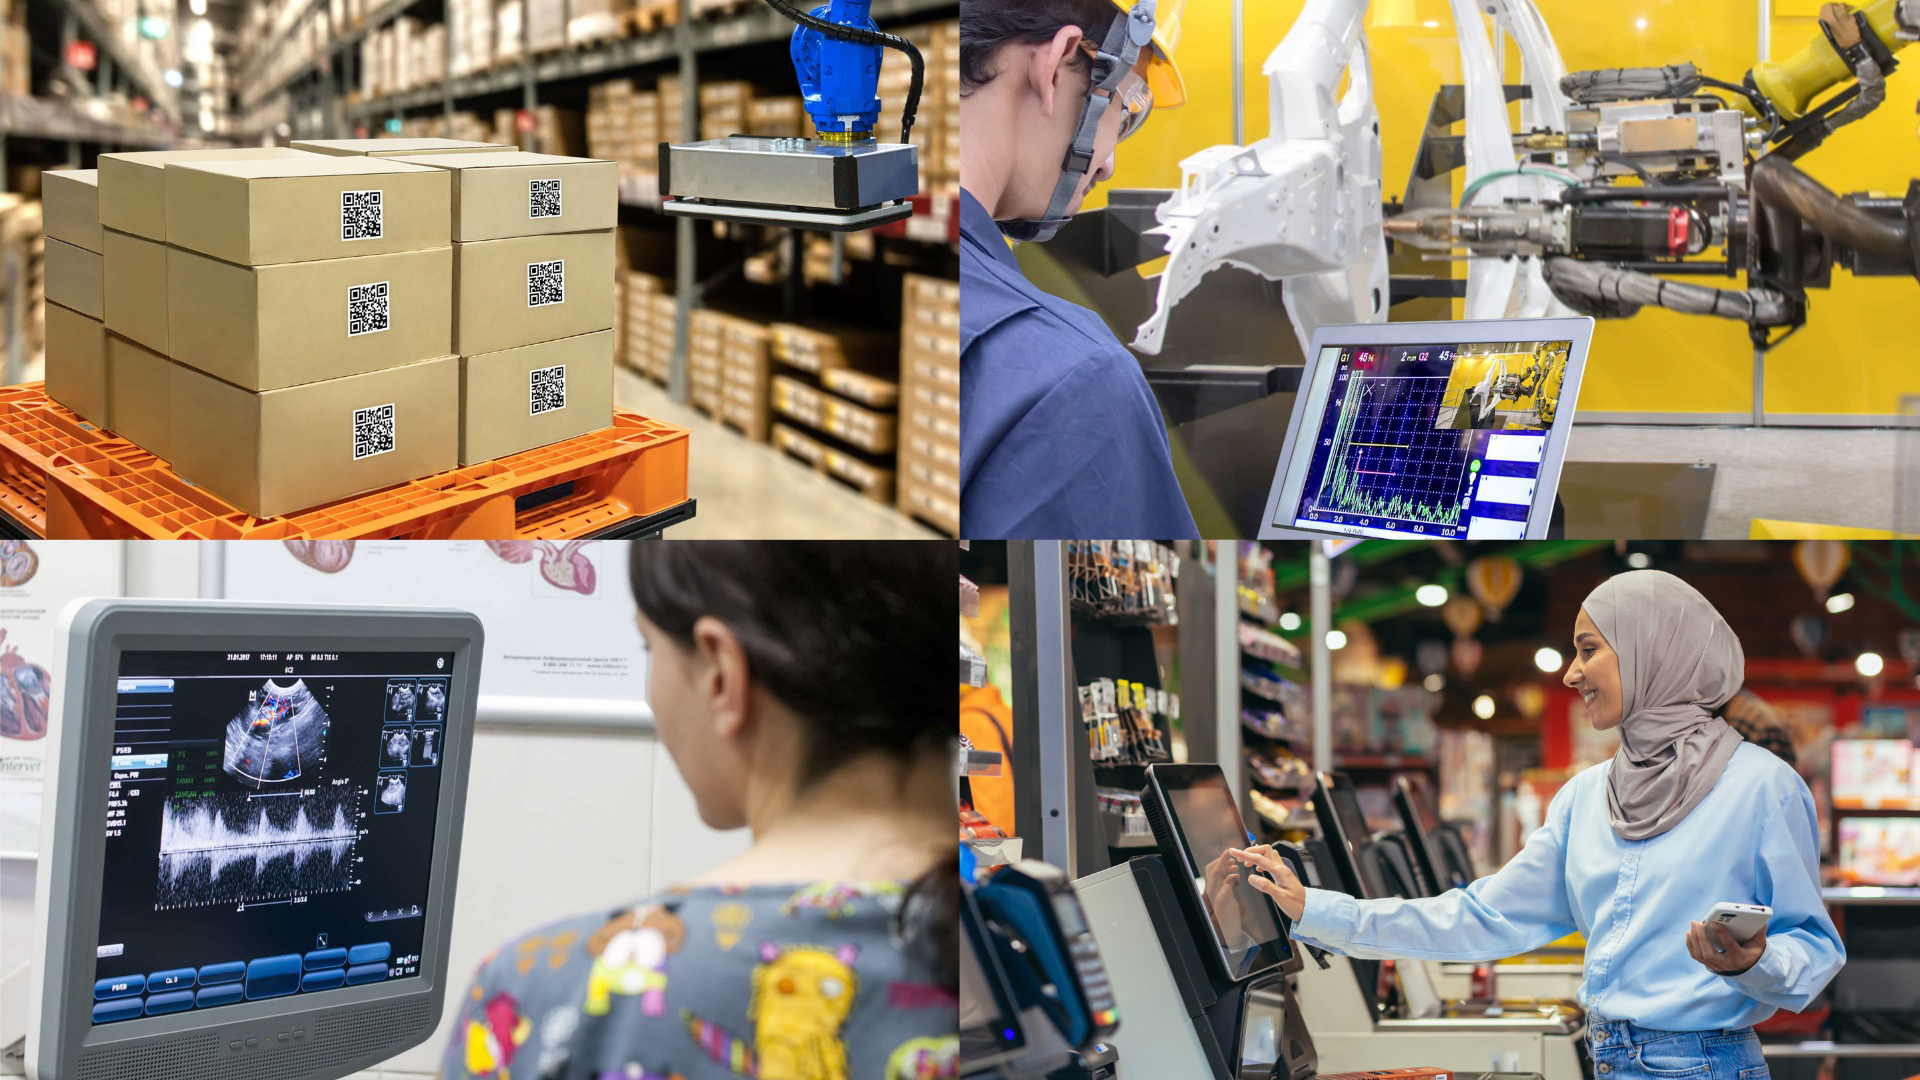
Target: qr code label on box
[(543, 198), (547, 390), (367, 311), (360, 217), (546, 283), (372, 431)]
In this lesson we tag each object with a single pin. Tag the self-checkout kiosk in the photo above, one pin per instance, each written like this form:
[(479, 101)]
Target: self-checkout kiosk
[(1035, 1000), (1201, 962), (1343, 1005)]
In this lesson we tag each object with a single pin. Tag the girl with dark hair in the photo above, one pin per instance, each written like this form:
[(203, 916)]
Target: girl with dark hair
[(802, 690)]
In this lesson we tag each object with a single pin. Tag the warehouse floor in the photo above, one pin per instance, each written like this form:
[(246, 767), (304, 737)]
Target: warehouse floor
[(749, 490)]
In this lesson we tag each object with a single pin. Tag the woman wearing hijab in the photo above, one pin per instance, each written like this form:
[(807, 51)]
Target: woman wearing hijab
[(1633, 853)]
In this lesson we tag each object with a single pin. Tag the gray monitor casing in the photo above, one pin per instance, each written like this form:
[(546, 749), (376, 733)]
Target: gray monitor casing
[(1310, 403), (316, 1037)]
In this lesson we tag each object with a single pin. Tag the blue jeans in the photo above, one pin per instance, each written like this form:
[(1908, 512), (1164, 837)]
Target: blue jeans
[(1625, 1051)]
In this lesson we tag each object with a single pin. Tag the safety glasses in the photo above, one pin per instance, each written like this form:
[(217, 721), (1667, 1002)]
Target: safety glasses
[(1133, 97)]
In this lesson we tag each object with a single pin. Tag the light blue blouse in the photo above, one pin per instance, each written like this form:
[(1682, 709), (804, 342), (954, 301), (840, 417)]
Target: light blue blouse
[(1753, 840)]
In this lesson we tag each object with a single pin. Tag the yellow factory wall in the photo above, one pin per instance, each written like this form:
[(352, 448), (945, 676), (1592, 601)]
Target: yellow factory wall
[(1657, 361)]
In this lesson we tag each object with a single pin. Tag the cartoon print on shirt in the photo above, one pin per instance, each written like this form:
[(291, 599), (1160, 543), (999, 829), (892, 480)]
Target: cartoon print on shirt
[(835, 898), (801, 996), (630, 959), (929, 1057), (495, 1036)]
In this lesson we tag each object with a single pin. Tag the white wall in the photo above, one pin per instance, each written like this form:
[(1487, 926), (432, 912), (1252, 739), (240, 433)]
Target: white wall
[(558, 822)]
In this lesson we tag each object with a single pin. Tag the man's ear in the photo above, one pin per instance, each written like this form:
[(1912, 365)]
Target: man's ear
[(1049, 65)]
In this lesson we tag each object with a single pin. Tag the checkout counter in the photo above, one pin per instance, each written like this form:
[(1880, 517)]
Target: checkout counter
[(1172, 966), (1350, 1007)]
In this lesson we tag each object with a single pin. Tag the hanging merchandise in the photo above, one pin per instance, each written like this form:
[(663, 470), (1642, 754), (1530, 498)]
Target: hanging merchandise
[(1255, 586), (1494, 580), (1430, 657), (973, 666), (1130, 580), (1278, 769), (1531, 699), (969, 598), (1126, 808), (1820, 562), (1809, 632), (1462, 615), (1466, 656), (1265, 684), (1119, 717)]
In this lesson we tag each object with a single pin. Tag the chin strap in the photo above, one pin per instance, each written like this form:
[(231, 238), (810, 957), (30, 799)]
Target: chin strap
[(1116, 56)]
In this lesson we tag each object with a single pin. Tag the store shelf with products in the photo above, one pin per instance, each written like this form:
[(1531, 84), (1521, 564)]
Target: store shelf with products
[(124, 56), (1276, 729)]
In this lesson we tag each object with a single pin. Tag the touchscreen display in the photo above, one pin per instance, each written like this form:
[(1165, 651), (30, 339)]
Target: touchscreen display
[(1245, 921), (1433, 440), (1353, 822), (270, 825)]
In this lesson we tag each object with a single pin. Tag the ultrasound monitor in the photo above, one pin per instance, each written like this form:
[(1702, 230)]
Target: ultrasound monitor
[(1447, 430), (248, 863), (1195, 820)]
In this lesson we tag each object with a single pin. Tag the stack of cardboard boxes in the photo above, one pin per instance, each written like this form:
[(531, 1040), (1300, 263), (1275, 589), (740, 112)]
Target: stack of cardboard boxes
[(936, 123), (836, 402), (76, 292), (648, 345), (930, 402), (533, 284), (745, 368), (307, 356), (288, 329)]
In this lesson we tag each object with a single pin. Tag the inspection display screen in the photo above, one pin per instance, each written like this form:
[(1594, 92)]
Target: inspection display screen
[(1244, 922), (1438, 440), (270, 823)]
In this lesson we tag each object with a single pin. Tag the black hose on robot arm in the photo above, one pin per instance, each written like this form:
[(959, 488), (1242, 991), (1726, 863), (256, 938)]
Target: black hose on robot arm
[(1780, 185)]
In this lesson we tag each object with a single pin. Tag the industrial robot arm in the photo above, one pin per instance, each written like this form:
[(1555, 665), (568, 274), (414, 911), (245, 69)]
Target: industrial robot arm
[(1302, 205), (1712, 176)]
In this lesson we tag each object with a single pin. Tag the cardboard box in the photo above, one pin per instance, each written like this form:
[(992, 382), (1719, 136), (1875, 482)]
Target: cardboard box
[(75, 278), (931, 505), (521, 398), (258, 213), (136, 289), (140, 395), (393, 147), (529, 289), (72, 207), (861, 387), (133, 188), (496, 196), (291, 449), (267, 327), (77, 364)]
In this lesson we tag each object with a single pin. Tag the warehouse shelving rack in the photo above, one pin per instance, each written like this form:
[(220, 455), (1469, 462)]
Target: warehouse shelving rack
[(321, 83)]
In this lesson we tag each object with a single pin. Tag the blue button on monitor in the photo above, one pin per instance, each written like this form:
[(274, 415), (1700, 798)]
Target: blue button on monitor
[(106, 1012), (330, 979), (224, 994), (326, 958), (122, 986), (215, 974), (177, 979), (369, 954), (171, 1002), (366, 973), (273, 976)]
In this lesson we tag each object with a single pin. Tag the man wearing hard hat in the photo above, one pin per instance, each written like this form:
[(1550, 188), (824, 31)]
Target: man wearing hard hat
[(1060, 436)]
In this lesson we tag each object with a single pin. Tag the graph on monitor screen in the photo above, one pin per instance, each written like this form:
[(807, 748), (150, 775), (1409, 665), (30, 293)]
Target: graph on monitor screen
[(1388, 459)]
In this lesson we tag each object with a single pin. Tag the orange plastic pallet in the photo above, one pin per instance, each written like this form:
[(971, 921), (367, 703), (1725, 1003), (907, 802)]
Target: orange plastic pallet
[(92, 485)]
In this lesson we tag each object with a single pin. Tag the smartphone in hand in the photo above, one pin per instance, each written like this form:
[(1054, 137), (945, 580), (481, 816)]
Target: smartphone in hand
[(1741, 920)]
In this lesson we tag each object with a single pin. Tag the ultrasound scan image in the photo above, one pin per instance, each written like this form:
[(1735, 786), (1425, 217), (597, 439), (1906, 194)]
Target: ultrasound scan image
[(390, 793), (279, 734), (395, 744)]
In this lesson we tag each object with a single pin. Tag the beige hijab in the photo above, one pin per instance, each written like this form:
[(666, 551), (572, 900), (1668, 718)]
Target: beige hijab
[(1678, 661)]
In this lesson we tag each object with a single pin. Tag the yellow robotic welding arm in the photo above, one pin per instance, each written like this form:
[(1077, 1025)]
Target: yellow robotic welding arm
[(1790, 85)]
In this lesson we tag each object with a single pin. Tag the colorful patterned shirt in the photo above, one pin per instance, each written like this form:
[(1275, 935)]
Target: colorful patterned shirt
[(766, 982)]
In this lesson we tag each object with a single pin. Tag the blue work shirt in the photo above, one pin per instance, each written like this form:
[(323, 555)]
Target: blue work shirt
[(1754, 839), (1060, 436)]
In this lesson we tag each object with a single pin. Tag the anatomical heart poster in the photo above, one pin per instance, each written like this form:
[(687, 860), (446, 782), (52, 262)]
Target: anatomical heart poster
[(37, 580), (558, 616)]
